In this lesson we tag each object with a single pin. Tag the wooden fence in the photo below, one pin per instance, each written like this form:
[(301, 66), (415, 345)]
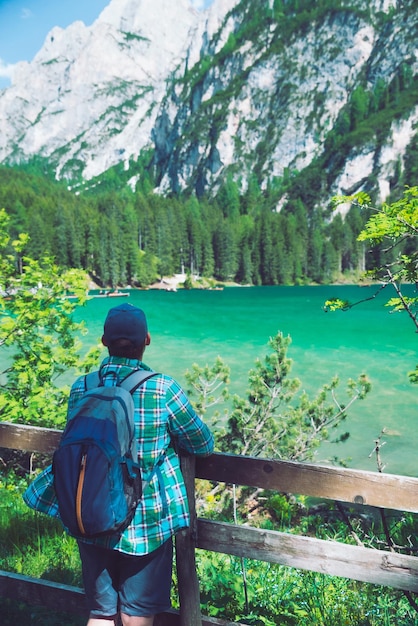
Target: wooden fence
[(380, 567)]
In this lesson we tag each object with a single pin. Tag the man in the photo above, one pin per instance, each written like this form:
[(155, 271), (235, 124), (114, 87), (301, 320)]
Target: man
[(130, 574)]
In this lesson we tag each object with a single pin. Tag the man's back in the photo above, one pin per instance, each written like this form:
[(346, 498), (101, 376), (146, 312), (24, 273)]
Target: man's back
[(163, 414)]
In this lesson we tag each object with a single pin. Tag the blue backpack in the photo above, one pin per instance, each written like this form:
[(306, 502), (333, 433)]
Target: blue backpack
[(97, 478)]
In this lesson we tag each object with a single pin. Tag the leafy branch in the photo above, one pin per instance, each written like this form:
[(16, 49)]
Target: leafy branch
[(274, 419), (38, 337), (396, 224)]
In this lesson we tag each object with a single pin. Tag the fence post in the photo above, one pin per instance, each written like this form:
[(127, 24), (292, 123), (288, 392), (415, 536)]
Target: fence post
[(188, 584)]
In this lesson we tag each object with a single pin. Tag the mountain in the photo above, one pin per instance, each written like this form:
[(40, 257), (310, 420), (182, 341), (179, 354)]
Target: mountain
[(316, 98), (88, 99)]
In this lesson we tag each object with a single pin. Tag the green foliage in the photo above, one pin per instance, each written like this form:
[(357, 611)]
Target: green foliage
[(32, 542), (35, 544), (395, 225), (125, 237), (336, 304), (359, 106), (284, 596), (274, 420), (37, 334), (207, 386), (217, 577), (392, 221)]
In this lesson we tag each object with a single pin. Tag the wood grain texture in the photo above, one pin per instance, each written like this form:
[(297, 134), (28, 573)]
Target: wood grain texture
[(326, 557), (334, 483)]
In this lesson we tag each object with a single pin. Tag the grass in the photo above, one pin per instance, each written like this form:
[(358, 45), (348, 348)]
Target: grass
[(252, 592)]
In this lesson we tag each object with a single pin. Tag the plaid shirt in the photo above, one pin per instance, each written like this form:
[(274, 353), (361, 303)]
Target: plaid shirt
[(163, 414)]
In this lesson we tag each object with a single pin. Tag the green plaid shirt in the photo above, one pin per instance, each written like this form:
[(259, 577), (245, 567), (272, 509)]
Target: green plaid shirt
[(163, 414)]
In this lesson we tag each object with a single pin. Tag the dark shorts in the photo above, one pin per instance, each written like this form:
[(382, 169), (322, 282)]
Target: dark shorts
[(135, 585)]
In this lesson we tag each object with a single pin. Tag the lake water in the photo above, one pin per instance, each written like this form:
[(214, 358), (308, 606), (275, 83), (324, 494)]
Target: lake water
[(196, 326)]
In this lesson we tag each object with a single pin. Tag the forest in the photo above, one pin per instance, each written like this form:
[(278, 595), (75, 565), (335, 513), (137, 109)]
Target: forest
[(131, 237)]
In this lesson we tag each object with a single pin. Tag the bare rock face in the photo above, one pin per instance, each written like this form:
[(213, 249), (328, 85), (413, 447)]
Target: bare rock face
[(239, 89)]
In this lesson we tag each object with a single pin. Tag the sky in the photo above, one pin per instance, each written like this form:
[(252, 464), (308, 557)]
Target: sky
[(24, 24)]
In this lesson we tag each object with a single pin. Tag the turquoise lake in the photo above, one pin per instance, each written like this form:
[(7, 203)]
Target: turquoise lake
[(196, 326)]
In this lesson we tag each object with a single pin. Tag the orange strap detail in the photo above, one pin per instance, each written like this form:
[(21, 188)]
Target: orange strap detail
[(80, 493)]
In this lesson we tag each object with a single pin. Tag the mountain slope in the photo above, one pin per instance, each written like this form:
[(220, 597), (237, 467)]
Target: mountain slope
[(281, 84), (88, 99), (316, 97)]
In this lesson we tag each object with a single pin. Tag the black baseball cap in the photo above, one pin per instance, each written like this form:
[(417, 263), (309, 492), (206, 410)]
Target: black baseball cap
[(125, 322)]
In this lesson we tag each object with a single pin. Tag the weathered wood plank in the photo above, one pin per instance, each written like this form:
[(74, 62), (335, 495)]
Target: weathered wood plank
[(29, 438), (172, 618), (356, 486), (168, 618), (336, 559), (33, 591), (70, 599), (327, 557), (188, 584)]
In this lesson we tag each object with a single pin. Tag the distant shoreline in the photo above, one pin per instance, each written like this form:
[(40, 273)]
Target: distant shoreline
[(176, 283)]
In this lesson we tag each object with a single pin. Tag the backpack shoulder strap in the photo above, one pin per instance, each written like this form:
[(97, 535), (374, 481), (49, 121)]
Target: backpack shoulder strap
[(130, 383), (91, 380), (134, 380)]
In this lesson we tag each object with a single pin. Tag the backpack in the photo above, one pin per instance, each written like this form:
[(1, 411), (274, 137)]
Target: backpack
[(97, 478)]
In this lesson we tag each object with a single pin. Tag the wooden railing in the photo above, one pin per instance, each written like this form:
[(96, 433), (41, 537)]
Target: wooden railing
[(379, 567)]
